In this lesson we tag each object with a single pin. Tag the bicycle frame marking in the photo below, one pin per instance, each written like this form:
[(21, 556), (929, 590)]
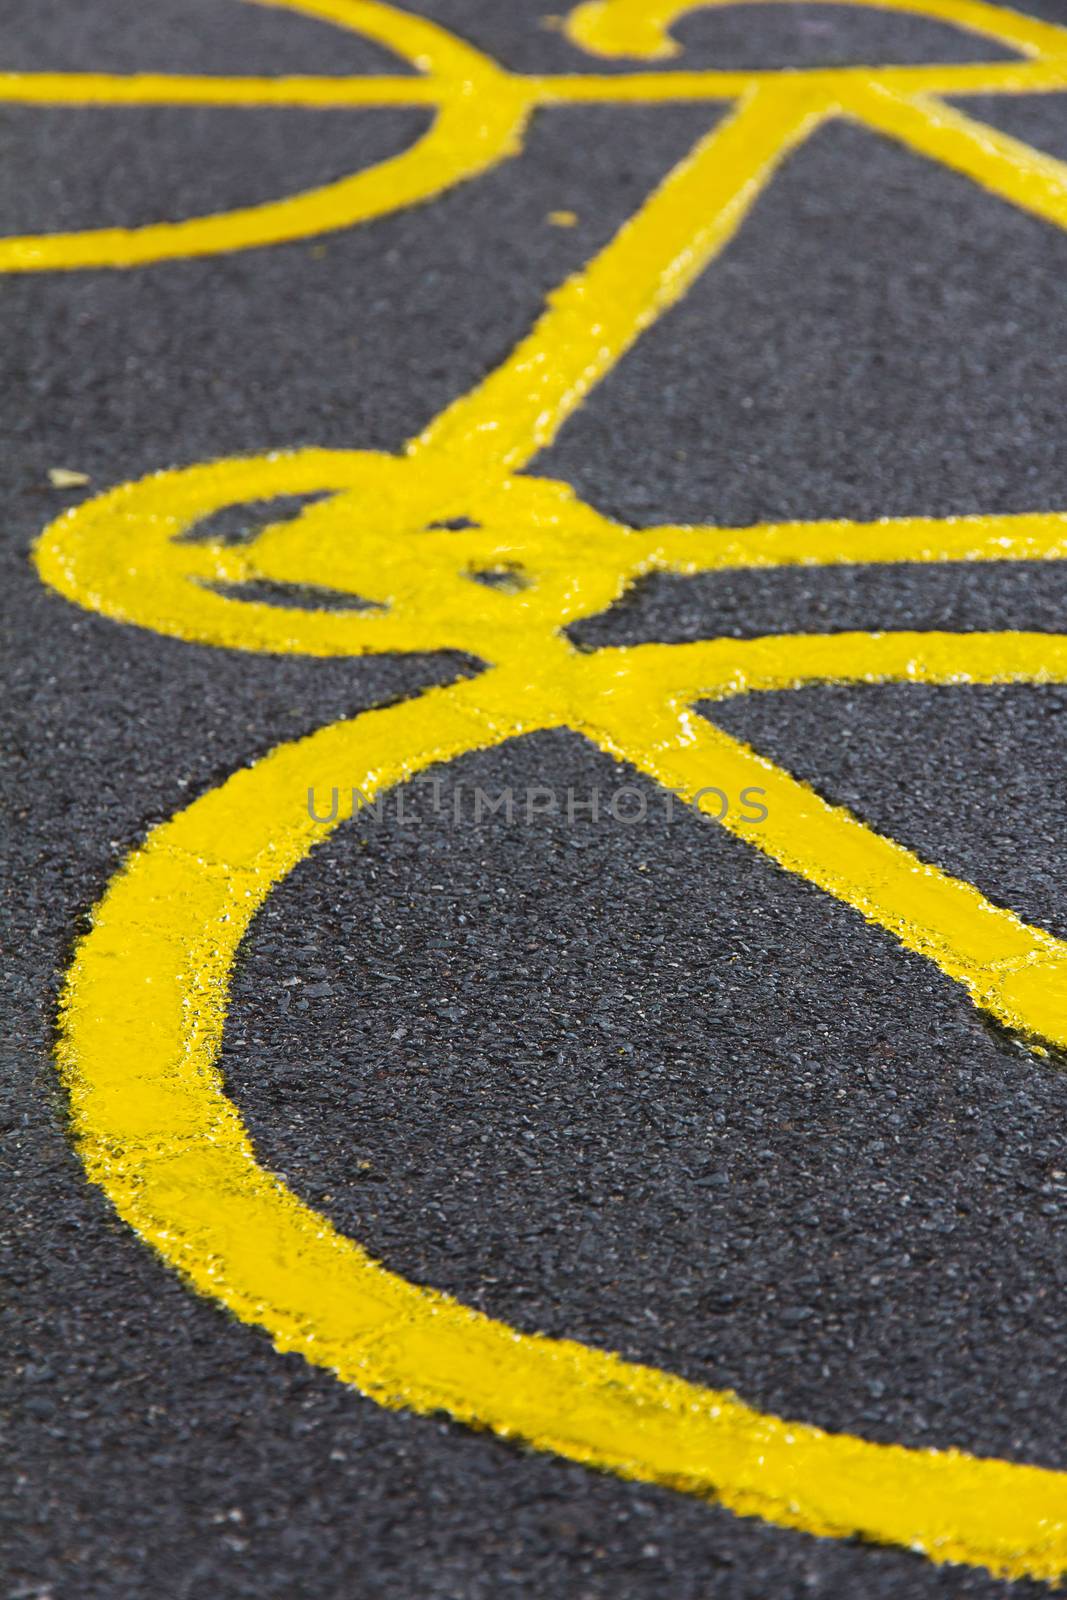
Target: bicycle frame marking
[(482, 110), (145, 1000)]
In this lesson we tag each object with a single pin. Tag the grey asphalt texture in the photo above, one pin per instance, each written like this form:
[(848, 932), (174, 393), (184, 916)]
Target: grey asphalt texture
[(627, 1083)]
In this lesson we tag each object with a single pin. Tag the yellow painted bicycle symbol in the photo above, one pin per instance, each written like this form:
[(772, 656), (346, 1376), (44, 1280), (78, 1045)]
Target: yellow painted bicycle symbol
[(145, 1000)]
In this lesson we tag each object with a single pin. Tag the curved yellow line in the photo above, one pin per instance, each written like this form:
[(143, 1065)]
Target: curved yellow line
[(482, 112), (123, 554), (142, 1019), (424, 44), (642, 28), (144, 1004)]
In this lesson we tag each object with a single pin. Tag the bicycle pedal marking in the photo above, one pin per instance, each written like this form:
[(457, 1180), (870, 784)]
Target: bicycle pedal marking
[(406, 539)]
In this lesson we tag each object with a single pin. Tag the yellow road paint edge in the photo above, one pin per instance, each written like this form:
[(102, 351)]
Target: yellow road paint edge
[(142, 1020), (481, 113), (482, 109), (145, 1000), (642, 28)]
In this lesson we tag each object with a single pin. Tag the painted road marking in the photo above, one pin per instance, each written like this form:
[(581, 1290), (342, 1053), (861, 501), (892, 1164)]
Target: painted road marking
[(482, 112), (145, 1000)]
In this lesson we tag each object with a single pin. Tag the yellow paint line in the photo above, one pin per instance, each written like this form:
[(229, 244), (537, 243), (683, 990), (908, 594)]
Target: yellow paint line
[(164, 89), (594, 318), (1014, 171), (642, 28), (142, 1020), (145, 1000), (1015, 972), (1029, 536), (995, 77), (465, 139), (479, 123)]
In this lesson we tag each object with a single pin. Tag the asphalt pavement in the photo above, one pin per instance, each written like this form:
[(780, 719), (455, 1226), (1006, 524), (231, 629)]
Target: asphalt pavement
[(632, 1085)]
